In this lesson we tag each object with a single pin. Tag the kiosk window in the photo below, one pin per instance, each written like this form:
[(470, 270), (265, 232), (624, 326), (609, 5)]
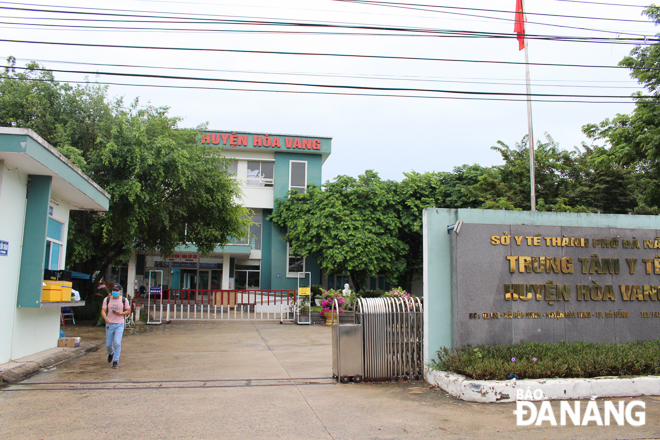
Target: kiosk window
[(54, 244)]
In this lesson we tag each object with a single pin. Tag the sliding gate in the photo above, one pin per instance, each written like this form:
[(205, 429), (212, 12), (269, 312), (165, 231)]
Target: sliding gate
[(384, 343), (208, 304)]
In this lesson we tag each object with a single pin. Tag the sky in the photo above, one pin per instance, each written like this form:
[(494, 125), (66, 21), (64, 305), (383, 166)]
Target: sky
[(219, 46)]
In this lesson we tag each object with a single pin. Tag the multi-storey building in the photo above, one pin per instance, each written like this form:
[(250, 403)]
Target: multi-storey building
[(267, 166)]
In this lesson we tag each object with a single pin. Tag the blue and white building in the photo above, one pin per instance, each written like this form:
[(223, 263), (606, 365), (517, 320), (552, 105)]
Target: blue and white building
[(267, 166), (38, 189)]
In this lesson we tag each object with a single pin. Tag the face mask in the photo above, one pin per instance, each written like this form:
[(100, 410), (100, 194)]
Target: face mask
[(115, 294)]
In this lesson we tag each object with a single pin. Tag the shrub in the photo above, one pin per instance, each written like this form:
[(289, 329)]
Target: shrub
[(397, 293), (370, 293), (537, 360), (316, 291), (329, 296)]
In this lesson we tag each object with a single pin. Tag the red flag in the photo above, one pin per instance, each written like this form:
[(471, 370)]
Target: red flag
[(519, 27)]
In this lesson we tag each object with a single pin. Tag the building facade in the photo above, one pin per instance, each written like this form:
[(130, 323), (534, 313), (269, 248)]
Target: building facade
[(267, 166)]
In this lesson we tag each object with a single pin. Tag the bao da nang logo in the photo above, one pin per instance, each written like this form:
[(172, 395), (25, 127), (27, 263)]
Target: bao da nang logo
[(532, 409)]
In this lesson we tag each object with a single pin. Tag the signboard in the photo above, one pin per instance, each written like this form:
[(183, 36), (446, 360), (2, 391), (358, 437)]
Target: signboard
[(304, 291), (250, 140), (155, 290), (4, 248), (208, 265), (554, 283)]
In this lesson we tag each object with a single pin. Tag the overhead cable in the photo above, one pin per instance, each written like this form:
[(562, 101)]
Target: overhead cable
[(537, 82), (312, 92), (268, 52), (324, 86)]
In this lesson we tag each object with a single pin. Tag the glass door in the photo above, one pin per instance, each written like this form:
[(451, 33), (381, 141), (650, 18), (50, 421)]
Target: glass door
[(202, 285), (189, 282), (216, 279)]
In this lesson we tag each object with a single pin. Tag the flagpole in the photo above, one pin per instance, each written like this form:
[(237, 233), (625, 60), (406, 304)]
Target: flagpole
[(530, 131)]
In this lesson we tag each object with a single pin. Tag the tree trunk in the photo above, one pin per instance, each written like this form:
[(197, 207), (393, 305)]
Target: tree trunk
[(354, 278)]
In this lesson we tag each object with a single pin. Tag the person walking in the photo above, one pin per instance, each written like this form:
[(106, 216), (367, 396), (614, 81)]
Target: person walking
[(115, 307)]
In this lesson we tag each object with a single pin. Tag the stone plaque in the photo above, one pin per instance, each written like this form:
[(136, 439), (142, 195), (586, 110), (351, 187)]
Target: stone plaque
[(552, 283)]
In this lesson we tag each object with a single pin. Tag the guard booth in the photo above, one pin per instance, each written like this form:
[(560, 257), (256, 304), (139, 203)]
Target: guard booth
[(39, 188), (383, 343)]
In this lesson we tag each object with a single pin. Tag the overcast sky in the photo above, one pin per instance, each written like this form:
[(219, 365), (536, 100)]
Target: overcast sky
[(390, 135)]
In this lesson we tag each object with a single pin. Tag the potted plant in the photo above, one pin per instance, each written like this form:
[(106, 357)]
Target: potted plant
[(397, 293), (327, 301)]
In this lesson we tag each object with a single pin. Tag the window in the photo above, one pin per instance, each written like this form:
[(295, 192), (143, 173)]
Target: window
[(232, 168), (295, 264), (337, 281), (379, 283), (254, 236), (247, 276), (54, 244), (260, 173), (216, 279), (298, 176)]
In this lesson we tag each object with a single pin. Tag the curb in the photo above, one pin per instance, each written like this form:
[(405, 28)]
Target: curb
[(505, 391), (23, 370)]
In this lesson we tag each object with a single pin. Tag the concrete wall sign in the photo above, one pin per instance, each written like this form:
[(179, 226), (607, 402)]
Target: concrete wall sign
[(554, 283)]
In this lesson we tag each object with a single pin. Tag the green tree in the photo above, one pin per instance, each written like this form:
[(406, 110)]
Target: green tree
[(367, 226), (350, 227), (633, 141), (417, 192), (508, 186), (166, 188)]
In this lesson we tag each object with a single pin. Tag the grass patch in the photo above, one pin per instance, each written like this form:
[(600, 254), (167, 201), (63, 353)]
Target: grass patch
[(536, 360)]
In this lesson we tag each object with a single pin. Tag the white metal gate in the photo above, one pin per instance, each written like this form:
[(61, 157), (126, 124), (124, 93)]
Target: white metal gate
[(235, 305)]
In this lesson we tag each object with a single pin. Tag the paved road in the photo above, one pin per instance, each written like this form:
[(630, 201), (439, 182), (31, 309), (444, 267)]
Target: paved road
[(243, 380)]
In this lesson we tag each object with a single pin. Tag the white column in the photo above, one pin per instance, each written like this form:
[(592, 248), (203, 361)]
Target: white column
[(225, 271), (130, 281)]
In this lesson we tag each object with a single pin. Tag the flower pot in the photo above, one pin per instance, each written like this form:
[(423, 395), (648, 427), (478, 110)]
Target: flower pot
[(330, 318)]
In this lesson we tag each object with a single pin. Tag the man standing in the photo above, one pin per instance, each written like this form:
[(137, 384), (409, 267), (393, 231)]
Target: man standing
[(115, 307)]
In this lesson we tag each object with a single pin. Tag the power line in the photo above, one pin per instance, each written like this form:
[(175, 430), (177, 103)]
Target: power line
[(416, 33), (309, 92), (267, 52), (374, 2), (279, 22), (327, 86), (421, 8), (537, 83), (601, 3)]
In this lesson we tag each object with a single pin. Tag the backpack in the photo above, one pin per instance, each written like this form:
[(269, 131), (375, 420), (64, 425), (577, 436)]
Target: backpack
[(106, 301)]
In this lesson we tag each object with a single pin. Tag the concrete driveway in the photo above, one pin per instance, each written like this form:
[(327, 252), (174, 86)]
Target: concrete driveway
[(250, 380)]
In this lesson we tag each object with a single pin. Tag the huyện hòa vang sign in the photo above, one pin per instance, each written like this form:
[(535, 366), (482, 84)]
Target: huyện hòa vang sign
[(549, 283)]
